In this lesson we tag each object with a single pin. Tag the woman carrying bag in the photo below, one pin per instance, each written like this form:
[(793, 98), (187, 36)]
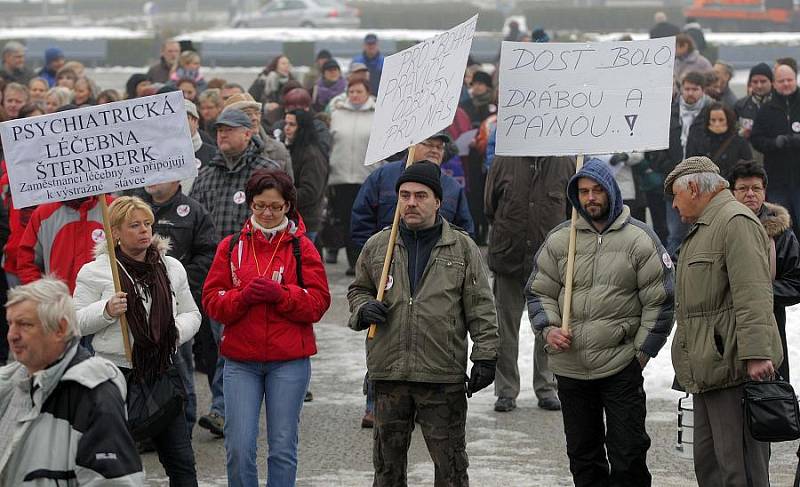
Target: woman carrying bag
[(161, 315)]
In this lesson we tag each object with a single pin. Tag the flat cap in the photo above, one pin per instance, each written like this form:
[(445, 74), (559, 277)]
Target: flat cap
[(242, 101), (690, 165), (233, 117)]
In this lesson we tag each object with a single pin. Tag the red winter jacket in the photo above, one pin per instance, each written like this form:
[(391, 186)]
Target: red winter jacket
[(266, 332), (60, 239), (17, 222)]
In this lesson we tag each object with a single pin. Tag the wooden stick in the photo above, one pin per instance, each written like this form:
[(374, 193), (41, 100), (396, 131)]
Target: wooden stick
[(387, 261), (570, 262), (112, 259)]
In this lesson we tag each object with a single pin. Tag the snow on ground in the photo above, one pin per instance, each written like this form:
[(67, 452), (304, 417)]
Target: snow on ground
[(717, 38), (74, 33)]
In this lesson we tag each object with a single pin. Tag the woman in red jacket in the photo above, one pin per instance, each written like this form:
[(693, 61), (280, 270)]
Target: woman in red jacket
[(268, 286)]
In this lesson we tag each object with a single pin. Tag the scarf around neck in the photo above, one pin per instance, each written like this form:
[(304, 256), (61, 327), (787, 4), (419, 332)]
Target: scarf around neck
[(155, 336)]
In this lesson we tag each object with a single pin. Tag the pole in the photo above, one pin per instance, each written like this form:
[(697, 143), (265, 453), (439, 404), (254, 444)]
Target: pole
[(112, 259), (570, 262), (387, 261)]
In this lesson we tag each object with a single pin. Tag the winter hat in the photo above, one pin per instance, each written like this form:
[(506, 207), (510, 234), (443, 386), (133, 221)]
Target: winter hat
[(241, 101), (133, 82), (324, 54), (691, 165), (423, 172), (539, 35), (760, 69), (482, 77), (233, 118), (330, 64), (51, 54)]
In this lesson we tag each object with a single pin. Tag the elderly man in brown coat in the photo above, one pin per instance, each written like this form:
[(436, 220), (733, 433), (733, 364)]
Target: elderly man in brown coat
[(726, 332)]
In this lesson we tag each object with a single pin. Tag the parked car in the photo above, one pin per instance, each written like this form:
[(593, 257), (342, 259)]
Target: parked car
[(301, 13)]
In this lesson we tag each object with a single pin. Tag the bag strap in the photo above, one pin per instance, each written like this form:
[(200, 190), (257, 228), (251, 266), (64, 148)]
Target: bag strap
[(298, 261), (722, 148), (232, 244)]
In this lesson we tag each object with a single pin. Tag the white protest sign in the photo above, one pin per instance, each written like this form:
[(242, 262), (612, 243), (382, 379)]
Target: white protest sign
[(584, 98), (419, 91), (99, 149)]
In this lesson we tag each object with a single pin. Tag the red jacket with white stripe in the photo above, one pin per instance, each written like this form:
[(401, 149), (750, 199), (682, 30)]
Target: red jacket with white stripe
[(266, 332), (60, 239)]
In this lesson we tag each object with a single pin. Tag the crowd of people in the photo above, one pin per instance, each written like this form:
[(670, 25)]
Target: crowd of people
[(225, 272)]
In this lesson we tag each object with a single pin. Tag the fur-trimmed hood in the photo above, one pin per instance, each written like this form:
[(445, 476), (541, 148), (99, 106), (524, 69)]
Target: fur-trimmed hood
[(163, 244), (775, 219)]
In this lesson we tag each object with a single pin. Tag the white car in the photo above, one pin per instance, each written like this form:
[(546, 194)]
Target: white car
[(301, 13)]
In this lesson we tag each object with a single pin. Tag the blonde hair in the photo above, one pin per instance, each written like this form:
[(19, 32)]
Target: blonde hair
[(187, 57), (123, 207), (211, 95)]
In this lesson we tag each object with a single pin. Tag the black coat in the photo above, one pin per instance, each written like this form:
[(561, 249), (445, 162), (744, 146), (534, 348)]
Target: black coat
[(786, 284), (703, 142), (777, 118), (192, 237), (310, 169), (664, 161)]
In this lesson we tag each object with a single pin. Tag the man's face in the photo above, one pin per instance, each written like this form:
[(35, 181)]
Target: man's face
[(57, 64), (593, 199), (163, 191), (722, 76), (760, 85), (13, 100), (170, 52), (255, 116), (479, 88), (15, 59), (371, 49), (189, 91), (686, 202), (418, 205), (229, 92), (691, 92), (785, 80), (233, 140), (750, 192), (430, 150), (194, 124), (31, 344)]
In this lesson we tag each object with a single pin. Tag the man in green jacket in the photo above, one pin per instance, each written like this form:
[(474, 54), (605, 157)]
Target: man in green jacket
[(622, 308), (438, 291), (726, 331)]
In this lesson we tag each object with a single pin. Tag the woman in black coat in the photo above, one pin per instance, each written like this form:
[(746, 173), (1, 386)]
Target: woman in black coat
[(717, 138), (310, 167)]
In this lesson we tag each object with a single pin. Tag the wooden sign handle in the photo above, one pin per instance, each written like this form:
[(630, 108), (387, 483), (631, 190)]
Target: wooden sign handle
[(565, 315), (112, 259), (387, 261)]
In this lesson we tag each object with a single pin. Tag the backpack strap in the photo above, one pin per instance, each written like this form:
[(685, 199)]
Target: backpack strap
[(298, 261), (232, 245)]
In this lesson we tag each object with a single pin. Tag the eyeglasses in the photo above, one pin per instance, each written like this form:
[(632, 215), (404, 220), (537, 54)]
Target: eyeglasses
[(274, 207), (433, 145), (746, 189)]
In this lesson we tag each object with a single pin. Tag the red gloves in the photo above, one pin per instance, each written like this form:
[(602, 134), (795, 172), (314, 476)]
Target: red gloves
[(262, 290)]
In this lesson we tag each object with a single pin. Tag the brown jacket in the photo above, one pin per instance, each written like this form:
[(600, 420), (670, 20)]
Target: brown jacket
[(525, 198)]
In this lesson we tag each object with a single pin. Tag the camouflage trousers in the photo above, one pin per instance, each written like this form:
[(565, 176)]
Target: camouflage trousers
[(440, 410)]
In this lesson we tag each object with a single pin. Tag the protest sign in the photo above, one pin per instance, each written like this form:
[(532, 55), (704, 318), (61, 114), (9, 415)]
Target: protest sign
[(584, 98), (99, 149), (419, 91)]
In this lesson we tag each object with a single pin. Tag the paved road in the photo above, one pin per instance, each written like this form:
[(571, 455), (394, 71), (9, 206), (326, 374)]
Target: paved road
[(522, 448)]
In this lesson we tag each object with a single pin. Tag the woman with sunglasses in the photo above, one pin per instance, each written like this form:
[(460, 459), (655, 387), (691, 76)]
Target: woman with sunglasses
[(268, 285)]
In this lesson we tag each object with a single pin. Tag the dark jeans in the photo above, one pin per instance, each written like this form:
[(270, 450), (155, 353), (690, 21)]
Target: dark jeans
[(655, 203), (3, 322), (440, 410), (621, 397), (336, 229), (185, 366)]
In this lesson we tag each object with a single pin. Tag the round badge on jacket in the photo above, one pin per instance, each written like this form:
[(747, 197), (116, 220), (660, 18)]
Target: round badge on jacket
[(239, 197), (389, 283), (98, 235), (796, 127), (183, 210), (667, 260)]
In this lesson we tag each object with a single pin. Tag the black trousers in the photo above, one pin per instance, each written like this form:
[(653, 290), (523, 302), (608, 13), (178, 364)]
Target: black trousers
[(621, 398), (336, 228)]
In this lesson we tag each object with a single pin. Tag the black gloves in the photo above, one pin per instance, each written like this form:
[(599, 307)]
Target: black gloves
[(787, 141), (481, 375), (372, 311), (618, 158)]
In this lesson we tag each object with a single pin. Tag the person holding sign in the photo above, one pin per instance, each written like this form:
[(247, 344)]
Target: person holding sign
[(438, 291), (621, 317), (268, 284), (160, 311)]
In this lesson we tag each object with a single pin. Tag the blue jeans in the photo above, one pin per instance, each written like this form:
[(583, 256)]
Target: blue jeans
[(676, 228), (185, 366), (217, 393), (788, 198), (283, 385)]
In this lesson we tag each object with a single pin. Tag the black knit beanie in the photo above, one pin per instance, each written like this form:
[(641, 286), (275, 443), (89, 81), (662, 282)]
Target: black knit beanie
[(423, 172), (763, 69)]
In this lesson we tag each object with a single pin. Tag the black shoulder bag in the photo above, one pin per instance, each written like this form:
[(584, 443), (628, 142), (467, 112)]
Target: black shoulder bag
[(771, 410)]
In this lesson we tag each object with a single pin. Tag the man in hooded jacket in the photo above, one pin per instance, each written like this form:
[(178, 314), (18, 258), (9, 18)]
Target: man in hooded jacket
[(622, 307)]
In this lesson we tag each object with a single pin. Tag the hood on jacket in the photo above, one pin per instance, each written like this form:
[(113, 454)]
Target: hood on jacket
[(163, 245), (775, 219), (599, 171)]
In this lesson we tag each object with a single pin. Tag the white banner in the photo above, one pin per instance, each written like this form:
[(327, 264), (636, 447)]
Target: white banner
[(419, 91), (579, 98), (99, 149)]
